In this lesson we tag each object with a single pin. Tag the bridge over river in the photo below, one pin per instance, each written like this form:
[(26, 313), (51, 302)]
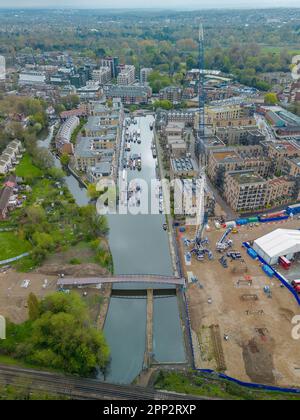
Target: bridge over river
[(151, 279)]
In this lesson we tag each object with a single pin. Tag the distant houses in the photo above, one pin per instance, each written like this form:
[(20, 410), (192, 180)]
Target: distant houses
[(10, 157)]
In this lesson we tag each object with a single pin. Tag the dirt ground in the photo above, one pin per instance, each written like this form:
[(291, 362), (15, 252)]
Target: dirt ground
[(13, 297), (260, 347)]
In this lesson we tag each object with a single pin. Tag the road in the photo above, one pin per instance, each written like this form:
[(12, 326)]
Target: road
[(230, 214), (79, 388)]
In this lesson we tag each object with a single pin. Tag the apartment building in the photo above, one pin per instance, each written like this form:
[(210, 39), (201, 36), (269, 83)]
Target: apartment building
[(100, 126), (144, 75), (245, 190), (32, 78), (175, 129), (89, 152), (221, 161), (232, 136), (172, 94), (227, 116), (279, 152), (183, 168), (130, 95), (64, 135), (112, 63), (248, 191), (126, 76), (102, 75)]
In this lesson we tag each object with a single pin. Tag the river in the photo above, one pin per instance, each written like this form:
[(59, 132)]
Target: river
[(139, 245)]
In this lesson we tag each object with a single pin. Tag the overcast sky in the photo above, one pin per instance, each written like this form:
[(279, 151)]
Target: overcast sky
[(179, 4)]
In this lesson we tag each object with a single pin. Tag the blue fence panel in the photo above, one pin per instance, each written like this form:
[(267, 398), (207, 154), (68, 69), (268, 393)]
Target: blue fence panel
[(10, 260)]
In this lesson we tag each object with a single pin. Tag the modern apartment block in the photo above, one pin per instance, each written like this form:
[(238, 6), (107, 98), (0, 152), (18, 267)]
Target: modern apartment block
[(102, 75), (172, 94), (243, 136), (97, 150), (144, 75), (247, 190), (64, 135), (221, 161), (228, 116), (126, 76), (112, 63), (130, 95)]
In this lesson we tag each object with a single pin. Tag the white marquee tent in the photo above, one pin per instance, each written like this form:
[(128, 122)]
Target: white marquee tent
[(279, 243)]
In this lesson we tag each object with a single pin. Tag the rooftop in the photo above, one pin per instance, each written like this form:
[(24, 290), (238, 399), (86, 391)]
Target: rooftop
[(247, 177)]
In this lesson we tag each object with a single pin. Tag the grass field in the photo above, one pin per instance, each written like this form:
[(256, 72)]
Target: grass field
[(210, 386), (277, 50), (11, 245), (26, 168)]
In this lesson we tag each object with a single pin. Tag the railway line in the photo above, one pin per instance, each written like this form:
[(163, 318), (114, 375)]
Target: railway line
[(80, 388)]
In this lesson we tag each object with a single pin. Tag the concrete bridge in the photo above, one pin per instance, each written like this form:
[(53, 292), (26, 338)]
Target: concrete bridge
[(151, 279)]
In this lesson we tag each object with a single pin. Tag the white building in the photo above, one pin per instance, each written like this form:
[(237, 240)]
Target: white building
[(32, 78), (144, 75), (10, 156), (126, 76), (102, 75), (279, 243), (65, 132)]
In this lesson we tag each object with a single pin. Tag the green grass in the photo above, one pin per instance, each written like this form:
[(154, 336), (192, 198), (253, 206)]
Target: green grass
[(11, 245), (278, 50), (209, 386), (26, 168)]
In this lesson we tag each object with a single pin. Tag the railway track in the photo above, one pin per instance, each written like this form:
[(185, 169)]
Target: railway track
[(79, 388)]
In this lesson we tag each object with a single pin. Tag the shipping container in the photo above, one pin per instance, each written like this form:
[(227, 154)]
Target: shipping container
[(268, 270), (272, 215), (242, 222), (252, 253), (295, 209), (253, 220), (274, 219)]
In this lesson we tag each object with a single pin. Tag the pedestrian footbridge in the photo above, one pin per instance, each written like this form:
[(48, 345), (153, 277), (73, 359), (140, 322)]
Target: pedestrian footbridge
[(151, 279)]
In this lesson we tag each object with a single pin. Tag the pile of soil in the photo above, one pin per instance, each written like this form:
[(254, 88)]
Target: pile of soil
[(82, 270)]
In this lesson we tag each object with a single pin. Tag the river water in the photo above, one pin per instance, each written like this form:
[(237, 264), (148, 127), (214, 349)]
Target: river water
[(139, 245)]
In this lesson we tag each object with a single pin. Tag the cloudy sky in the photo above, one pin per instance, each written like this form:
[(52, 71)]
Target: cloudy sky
[(179, 4)]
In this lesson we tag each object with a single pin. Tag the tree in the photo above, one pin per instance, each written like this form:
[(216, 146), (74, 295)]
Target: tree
[(92, 192), (35, 214), (61, 335), (271, 99), (65, 159), (33, 307), (159, 81), (56, 173), (164, 104)]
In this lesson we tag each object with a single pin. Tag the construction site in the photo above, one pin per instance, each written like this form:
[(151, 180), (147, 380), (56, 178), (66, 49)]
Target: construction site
[(240, 312), (241, 319)]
